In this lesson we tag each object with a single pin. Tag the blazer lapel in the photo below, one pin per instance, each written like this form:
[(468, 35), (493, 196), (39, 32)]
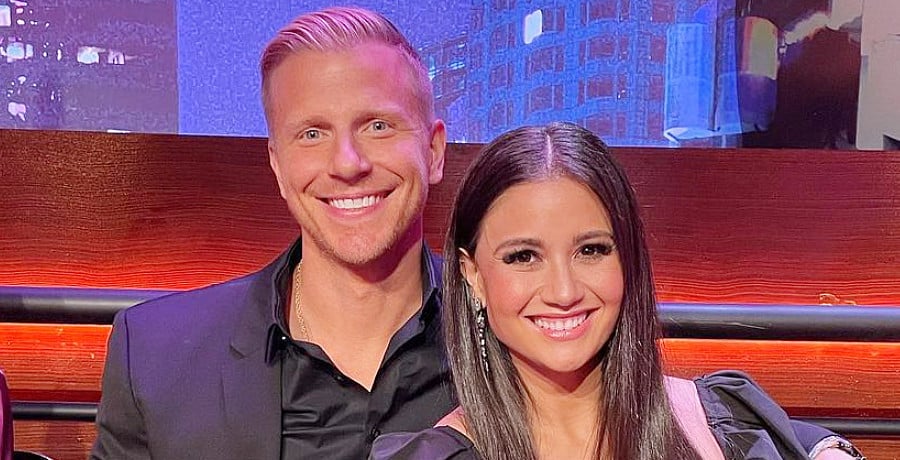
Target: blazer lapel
[(251, 386), (252, 407)]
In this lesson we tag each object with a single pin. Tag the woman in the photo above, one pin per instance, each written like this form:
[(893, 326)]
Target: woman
[(550, 324)]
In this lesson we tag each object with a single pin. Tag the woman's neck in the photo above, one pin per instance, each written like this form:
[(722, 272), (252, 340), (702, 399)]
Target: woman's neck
[(565, 411)]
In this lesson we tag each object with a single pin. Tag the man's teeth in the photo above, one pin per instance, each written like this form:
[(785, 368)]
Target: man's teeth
[(560, 324), (355, 203)]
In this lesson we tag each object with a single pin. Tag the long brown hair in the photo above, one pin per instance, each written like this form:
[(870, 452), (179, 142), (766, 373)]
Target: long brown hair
[(637, 421)]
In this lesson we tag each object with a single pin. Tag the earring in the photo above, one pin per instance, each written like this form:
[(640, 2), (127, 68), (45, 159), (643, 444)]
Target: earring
[(480, 327)]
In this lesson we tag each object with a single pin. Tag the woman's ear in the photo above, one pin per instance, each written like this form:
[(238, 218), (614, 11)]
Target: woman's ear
[(469, 270)]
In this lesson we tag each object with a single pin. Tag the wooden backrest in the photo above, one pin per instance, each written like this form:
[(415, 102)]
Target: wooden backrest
[(176, 212), (6, 422), (724, 226)]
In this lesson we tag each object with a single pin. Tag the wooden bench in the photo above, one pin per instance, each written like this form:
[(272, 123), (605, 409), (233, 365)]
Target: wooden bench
[(751, 227)]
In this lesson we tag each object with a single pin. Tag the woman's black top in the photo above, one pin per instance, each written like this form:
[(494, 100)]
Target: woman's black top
[(745, 421)]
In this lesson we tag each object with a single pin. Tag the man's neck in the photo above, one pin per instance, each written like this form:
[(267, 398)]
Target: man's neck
[(366, 295), (352, 312)]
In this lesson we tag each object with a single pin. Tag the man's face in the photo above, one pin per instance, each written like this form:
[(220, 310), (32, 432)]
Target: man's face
[(352, 153)]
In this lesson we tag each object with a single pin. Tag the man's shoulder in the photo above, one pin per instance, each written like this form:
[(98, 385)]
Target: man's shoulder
[(225, 295), (204, 312)]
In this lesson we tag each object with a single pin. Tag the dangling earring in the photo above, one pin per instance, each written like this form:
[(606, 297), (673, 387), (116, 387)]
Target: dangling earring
[(480, 327)]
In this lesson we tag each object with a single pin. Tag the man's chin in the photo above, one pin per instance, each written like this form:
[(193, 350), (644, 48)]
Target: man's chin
[(357, 258), (358, 252), (360, 249)]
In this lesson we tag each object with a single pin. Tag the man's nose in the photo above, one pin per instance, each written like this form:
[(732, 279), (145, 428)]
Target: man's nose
[(348, 161)]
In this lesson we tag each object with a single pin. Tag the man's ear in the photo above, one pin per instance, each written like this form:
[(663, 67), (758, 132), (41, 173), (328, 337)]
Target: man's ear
[(437, 148), (273, 163), (470, 273)]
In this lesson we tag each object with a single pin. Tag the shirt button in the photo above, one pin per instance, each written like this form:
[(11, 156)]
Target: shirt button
[(374, 434)]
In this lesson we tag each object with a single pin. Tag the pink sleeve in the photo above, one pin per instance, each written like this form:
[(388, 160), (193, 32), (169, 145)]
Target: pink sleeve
[(6, 434), (686, 406)]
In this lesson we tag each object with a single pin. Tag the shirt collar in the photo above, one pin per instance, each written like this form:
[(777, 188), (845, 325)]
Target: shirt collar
[(278, 336)]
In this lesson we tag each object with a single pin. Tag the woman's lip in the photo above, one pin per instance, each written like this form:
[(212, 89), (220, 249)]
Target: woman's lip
[(557, 316), (569, 327)]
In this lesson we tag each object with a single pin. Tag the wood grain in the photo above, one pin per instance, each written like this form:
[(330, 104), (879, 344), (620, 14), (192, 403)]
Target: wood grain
[(73, 440), (62, 440), (771, 226), (49, 362), (139, 211), (878, 449), (53, 362), (175, 212), (833, 379)]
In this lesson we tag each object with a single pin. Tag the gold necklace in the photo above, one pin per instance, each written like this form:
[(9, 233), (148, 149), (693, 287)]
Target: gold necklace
[(301, 321)]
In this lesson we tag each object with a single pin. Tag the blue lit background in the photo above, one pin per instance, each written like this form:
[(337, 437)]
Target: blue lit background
[(218, 78), (637, 72)]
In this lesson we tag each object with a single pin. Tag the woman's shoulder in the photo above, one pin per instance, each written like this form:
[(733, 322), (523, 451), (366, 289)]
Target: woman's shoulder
[(438, 443), (455, 419), (691, 416), (716, 394), (744, 418), (728, 395)]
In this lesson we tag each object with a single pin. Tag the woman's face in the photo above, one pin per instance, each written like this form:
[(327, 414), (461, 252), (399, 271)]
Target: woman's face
[(547, 270)]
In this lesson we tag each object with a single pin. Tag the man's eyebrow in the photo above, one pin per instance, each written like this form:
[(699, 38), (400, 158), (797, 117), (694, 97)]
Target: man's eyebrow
[(388, 112), (303, 122)]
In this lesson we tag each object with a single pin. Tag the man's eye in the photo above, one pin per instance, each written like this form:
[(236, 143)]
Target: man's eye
[(311, 134), (379, 125), (598, 249), (519, 257)]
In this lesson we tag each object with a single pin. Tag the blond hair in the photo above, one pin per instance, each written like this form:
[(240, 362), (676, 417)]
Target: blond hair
[(339, 29)]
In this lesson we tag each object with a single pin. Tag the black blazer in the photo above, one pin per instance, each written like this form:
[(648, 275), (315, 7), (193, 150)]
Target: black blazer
[(186, 376)]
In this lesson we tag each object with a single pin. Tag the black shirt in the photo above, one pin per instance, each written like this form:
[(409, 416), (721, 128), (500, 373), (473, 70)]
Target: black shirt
[(326, 415)]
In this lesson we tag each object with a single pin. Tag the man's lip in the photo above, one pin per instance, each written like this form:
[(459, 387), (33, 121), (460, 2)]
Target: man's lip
[(353, 196), (379, 196), (355, 204)]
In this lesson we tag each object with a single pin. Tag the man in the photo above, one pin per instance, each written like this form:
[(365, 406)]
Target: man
[(311, 359)]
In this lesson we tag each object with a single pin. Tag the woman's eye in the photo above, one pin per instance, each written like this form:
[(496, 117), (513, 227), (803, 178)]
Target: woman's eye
[(597, 249), (519, 257)]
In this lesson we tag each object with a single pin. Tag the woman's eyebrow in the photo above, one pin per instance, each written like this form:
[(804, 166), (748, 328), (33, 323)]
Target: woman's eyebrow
[(519, 242), (593, 234)]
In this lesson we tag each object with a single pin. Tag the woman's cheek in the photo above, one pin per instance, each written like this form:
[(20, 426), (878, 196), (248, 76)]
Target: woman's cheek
[(509, 290)]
